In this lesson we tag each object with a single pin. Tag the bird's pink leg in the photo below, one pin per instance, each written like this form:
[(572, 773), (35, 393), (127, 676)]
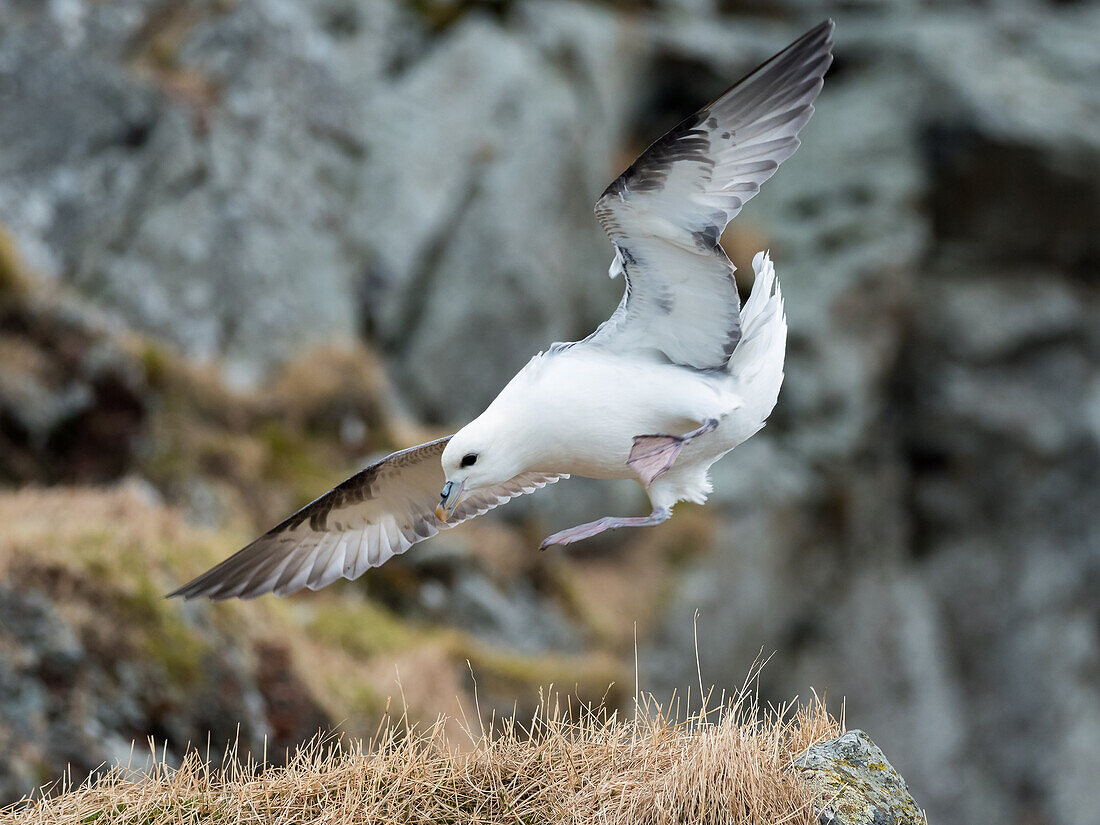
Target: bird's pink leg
[(592, 528), (653, 455)]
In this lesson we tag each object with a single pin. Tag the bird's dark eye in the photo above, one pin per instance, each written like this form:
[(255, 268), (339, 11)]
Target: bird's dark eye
[(469, 460)]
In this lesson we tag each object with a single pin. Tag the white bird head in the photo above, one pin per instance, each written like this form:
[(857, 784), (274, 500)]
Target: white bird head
[(479, 456)]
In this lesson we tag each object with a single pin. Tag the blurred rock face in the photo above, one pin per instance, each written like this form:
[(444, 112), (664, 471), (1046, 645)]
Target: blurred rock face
[(250, 178), (916, 528)]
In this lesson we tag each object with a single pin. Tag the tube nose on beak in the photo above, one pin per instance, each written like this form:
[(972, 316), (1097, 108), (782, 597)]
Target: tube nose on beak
[(446, 505)]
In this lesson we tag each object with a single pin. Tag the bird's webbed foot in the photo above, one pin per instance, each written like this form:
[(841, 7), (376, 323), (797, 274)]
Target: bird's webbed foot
[(653, 455), (593, 528)]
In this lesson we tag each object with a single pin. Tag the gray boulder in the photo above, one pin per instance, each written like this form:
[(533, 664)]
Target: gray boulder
[(856, 785)]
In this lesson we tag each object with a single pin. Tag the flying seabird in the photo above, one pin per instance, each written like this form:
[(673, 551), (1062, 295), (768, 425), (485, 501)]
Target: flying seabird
[(677, 377)]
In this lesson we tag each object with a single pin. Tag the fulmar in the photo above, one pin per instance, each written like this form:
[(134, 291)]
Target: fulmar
[(679, 375)]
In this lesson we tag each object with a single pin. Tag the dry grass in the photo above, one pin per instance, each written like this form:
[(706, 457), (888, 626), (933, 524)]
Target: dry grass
[(568, 765)]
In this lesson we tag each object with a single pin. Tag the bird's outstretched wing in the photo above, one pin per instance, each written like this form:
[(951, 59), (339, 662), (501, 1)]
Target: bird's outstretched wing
[(374, 515), (665, 214)]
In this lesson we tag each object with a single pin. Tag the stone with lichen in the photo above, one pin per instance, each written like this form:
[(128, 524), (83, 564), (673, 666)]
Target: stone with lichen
[(856, 785)]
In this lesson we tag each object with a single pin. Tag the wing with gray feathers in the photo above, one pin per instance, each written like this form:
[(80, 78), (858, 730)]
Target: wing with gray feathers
[(374, 515), (666, 213)]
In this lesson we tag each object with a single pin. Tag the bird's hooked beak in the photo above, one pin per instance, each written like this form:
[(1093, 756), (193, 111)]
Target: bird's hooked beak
[(449, 498)]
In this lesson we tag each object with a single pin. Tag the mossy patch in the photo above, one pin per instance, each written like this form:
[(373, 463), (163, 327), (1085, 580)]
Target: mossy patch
[(163, 638), (363, 629), (508, 673), (294, 460)]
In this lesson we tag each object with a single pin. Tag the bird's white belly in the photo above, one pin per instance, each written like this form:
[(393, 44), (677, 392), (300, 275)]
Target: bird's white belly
[(592, 407)]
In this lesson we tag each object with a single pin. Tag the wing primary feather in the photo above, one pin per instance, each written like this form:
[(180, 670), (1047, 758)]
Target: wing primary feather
[(329, 545), (334, 565)]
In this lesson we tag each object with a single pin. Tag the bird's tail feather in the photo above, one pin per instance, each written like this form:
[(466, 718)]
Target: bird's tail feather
[(757, 362)]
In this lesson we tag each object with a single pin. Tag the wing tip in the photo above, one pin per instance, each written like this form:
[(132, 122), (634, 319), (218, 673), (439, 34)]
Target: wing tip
[(229, 578), (828, 26), (191, 590), (195, 589), (223, 591), (818, 40)]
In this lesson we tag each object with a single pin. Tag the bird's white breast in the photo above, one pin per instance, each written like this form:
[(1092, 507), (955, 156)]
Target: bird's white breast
[(582, 408)]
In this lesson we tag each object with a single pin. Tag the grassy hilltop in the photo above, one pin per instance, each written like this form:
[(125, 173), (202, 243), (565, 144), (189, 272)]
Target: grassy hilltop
[(733, 767)]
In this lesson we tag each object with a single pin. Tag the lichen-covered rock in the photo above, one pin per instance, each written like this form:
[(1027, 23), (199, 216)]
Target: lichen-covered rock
[(856, 785)]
